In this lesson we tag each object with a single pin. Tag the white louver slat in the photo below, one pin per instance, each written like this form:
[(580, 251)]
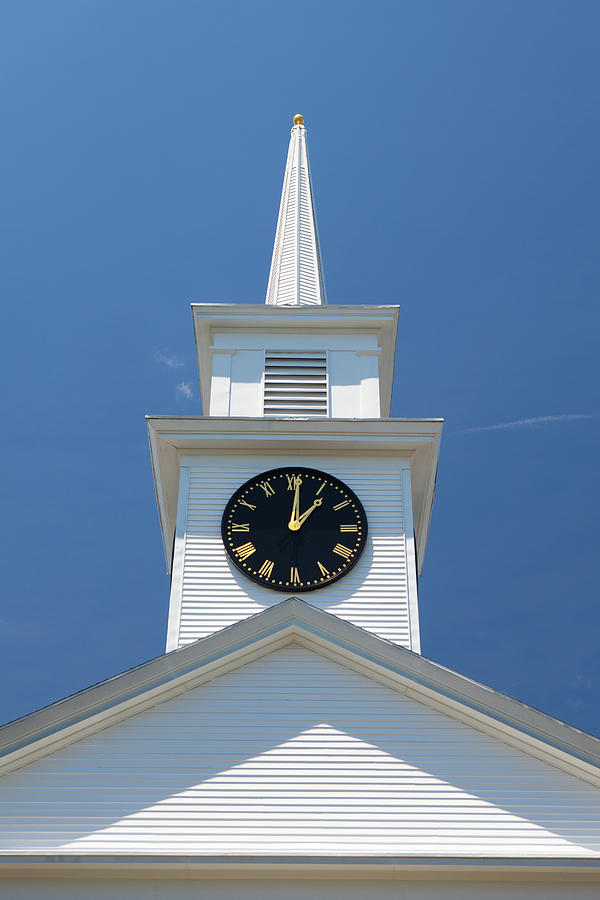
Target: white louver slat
[(296, 385)]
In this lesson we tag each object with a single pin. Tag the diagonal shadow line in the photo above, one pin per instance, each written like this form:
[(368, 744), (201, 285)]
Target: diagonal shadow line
[(110, 787)]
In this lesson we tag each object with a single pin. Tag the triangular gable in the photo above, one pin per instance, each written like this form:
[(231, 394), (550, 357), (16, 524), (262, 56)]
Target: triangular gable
[(133, 691), (295, 754)]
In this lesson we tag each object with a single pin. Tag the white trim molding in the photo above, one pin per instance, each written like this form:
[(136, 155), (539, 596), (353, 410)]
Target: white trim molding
[(172, 438), (328, 327), (294, 620)]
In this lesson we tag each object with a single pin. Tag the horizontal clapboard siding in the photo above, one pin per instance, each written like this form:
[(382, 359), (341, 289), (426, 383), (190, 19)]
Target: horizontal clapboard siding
[(214, 594), (295, 754)]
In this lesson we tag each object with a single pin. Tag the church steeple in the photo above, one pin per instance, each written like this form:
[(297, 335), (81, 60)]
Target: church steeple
[(294, 385), (296, 276)]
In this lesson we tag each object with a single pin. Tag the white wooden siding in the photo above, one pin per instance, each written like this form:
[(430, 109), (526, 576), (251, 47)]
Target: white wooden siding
[(292, 888), (296, 754), (211, 593)]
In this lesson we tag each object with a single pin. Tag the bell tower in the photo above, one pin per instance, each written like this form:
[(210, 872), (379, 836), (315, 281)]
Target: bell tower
[(294, 382)]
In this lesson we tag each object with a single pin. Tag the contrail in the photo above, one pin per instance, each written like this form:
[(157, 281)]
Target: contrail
[(536, 420)]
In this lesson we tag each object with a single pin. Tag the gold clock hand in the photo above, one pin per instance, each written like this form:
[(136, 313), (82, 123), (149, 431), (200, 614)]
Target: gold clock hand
[(311, 509), (295, 505)]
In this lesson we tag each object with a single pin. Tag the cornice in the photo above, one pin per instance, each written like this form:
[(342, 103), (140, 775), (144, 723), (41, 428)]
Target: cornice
[(562, 870), (210, 318), (172, 437)]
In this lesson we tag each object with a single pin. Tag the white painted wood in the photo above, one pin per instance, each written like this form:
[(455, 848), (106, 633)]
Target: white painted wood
[(417, 439), (290, 889), (352, 375), (178, 568), (149, 887), (374, 594), (411, 565), (84, 714), (344, 380), (295, 384), (294, 338), (294, 754), (220, 386), (370, 407), (296, 275), (237, 327), (247, 368), (354, 380)]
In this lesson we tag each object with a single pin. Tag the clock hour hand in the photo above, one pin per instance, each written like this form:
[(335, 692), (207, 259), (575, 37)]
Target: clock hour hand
[(297, 524)]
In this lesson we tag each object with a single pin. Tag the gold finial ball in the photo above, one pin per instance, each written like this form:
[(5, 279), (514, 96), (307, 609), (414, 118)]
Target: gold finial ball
[(298, 119)]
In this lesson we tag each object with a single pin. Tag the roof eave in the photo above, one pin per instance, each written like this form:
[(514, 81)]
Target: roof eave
[(372, 867), (535, 733), (209, 318), (173, 436)]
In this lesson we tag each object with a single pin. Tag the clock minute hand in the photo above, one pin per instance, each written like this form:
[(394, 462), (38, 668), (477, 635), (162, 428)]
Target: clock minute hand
[(292, 524)]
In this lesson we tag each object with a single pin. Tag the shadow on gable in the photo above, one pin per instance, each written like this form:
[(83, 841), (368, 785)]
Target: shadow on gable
[(295, 754)]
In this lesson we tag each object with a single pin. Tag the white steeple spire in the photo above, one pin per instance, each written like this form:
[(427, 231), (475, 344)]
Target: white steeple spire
[(296, 276)]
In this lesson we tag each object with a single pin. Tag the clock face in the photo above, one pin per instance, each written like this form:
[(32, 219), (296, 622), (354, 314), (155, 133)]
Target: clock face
[(294, 529)]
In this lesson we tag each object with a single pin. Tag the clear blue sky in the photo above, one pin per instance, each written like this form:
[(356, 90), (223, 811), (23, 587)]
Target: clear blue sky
[(454, 148)]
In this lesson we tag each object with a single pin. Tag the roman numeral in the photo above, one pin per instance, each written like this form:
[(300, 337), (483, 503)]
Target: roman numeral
[(266, 570), (245, 550), (236, 527), (342, 504), (249, 505), (324, 571), (294, 576), (348, 527), (341, 550), (266, 486), (293, 481), (323, 483)]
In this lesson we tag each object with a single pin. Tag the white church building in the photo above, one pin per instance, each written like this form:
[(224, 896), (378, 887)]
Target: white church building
[(292, 742)]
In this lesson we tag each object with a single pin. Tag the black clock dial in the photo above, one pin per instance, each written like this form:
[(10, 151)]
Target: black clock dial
[(294, 529)]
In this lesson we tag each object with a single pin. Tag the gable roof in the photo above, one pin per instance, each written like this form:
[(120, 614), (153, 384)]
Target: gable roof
[(129, 693), (293, 754)]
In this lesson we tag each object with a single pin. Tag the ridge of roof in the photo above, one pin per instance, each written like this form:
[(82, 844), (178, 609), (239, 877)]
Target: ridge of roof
[(123, 695)]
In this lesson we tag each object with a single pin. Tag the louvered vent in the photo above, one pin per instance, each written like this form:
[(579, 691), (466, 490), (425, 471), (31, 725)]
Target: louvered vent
[(295, 385)]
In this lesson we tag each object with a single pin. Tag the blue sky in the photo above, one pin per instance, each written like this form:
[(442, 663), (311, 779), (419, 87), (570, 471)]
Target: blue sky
[(454, 151)]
